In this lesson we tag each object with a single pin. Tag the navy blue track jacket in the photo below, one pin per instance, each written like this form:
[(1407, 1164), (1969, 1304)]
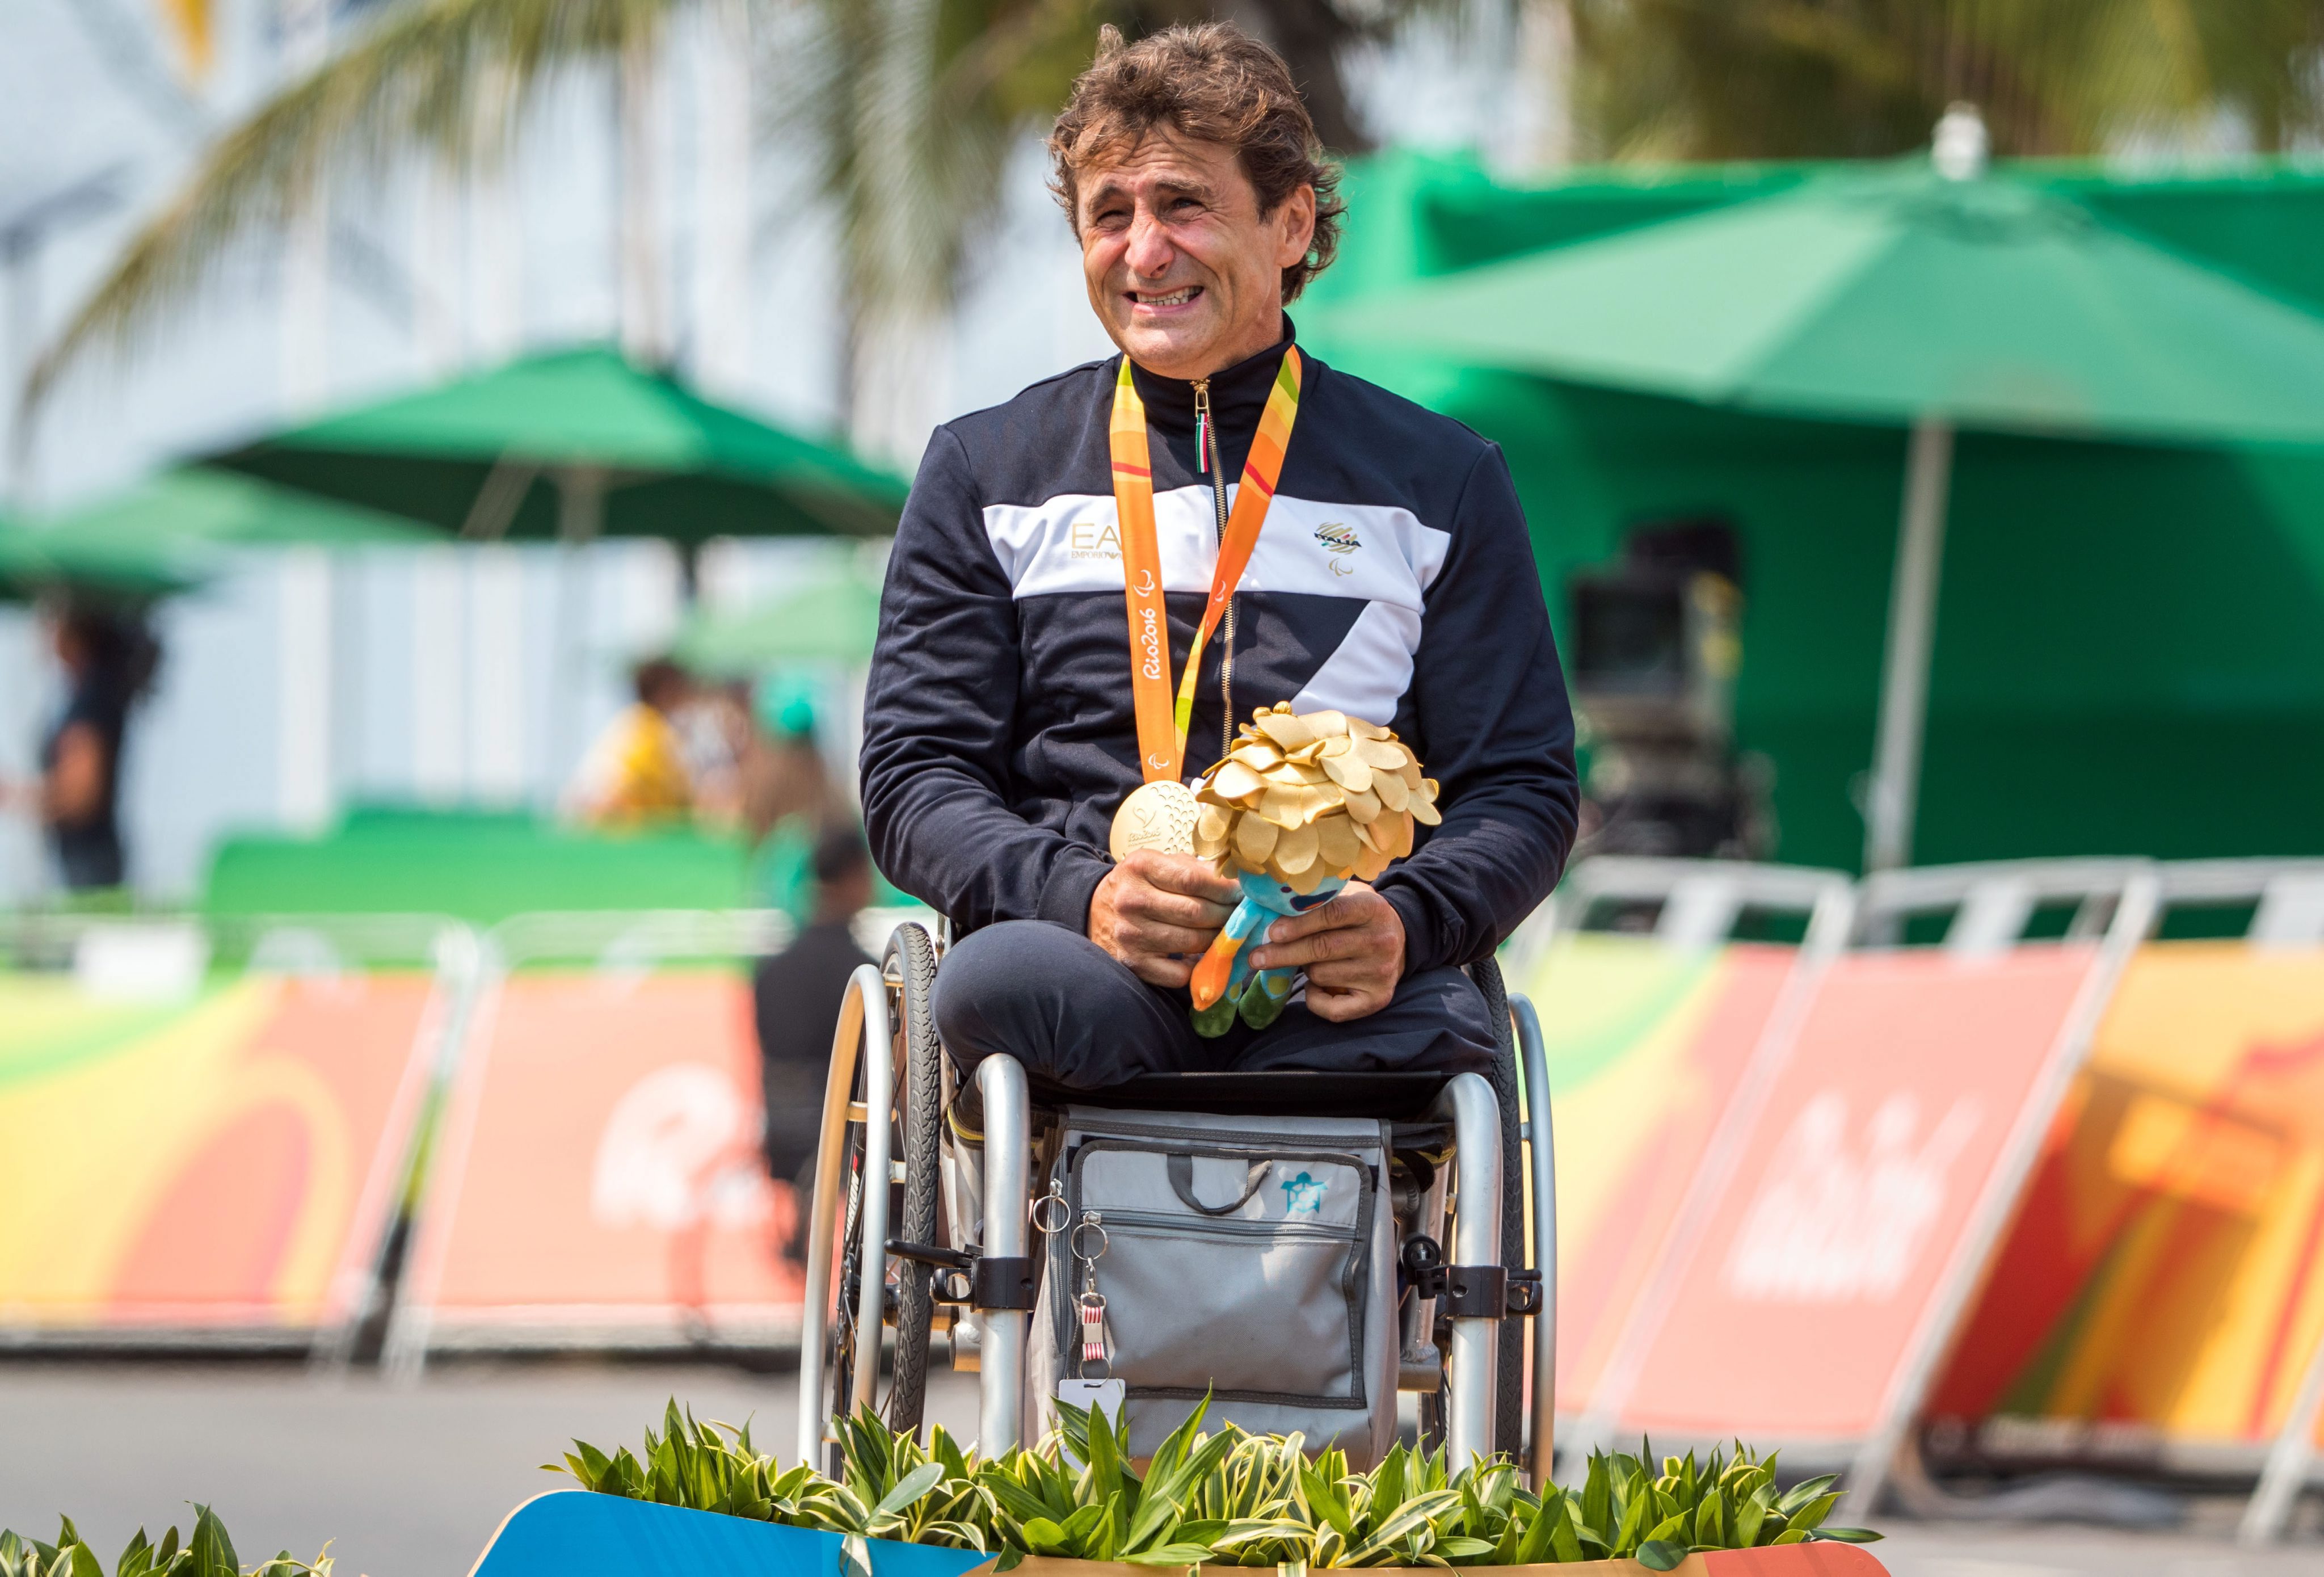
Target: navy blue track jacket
[(1394, 580)]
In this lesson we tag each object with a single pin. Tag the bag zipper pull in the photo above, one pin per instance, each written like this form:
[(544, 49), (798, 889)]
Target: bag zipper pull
[(1092, 1301), (1093, 1357)]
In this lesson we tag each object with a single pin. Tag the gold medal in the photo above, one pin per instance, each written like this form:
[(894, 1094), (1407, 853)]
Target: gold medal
[(1159, 816)]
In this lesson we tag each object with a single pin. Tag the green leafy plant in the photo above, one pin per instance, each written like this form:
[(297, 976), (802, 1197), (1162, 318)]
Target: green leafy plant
[(1220, 1498), (210, 1553)]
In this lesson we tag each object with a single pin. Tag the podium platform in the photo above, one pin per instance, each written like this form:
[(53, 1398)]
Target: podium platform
[(573, 1532)]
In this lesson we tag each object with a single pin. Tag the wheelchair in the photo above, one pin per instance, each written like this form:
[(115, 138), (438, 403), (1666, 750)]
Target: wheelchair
[(922, 1223)]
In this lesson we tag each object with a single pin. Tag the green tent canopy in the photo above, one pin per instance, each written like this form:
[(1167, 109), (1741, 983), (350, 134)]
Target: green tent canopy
[(1893, 297), (574, 445), (1884, 296)]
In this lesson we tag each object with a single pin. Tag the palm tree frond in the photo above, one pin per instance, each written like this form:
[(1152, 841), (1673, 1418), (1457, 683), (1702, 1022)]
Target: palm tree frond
[(920, 103), (1794, 79), (448, 76)]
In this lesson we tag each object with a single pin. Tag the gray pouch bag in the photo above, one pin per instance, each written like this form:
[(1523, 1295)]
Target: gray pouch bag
[(1248, 1258)]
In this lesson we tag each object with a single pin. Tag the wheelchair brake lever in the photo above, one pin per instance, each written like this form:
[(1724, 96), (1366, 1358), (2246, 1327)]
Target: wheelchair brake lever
[(1469, 1291), (980, 1280), (931, 1254)]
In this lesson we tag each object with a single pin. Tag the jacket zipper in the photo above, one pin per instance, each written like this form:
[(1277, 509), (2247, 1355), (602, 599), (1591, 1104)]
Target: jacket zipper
[(1207, 443)]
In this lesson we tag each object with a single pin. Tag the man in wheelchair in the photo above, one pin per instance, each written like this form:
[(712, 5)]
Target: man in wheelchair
[(1371, 559)]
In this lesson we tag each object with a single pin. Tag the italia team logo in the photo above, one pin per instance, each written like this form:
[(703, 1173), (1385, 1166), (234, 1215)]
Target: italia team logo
[(1339, 540)]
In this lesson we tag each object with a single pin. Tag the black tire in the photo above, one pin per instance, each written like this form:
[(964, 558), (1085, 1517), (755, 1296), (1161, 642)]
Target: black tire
[(1508, 1410), (912, 961), (916, 1109), (847, 1271), (1509, 1390)]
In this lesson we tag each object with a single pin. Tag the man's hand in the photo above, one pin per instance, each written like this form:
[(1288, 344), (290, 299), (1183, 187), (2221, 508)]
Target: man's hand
[(1157, 914), (1352, 949)]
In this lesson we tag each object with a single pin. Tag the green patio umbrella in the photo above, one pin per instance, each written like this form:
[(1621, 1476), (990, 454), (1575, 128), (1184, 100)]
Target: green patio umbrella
[(576, 445), (832, 617), (196, 511), (1934, 298), (167, 534), (34, 561)]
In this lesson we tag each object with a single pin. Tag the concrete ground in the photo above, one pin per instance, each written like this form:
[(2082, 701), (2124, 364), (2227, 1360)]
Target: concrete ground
[(1950, 1550), (413, 1482)]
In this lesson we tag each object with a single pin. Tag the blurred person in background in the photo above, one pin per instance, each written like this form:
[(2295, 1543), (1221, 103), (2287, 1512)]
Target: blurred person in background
[(723, 748), (788, 801), (796, 996), (788, 780), (109, 657), (636, 771)]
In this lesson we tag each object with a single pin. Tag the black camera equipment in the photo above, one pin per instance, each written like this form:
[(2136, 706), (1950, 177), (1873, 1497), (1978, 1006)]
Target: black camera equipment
[(1656, 643)]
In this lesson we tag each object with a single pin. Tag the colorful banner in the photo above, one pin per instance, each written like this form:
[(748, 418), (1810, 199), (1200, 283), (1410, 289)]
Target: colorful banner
[(1856, 1181), (2166, 1271), (224, 1162), (602, 1169), (1645, 1043)]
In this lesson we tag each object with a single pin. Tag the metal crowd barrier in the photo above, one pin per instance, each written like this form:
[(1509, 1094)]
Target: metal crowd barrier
[(528, 1041), (597, 1181), (205, 1157)]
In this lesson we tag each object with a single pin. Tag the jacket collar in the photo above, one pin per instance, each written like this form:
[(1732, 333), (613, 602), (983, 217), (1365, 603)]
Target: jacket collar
[(1238, 394)]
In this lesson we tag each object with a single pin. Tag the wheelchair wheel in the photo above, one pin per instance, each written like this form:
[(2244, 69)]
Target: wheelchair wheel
[(1432, 1414), (1508, 1391), (841, 1356), (915, 1108), (1508, 1388), (912, 961)]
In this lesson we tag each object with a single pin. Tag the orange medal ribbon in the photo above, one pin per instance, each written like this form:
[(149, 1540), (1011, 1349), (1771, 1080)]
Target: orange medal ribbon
[(1161, 725)]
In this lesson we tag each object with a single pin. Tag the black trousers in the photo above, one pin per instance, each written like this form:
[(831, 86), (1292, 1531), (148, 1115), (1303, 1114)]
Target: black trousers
[(1079, 1020)]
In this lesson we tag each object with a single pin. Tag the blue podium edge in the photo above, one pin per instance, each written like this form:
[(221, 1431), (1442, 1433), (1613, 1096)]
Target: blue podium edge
[(575, 1533)]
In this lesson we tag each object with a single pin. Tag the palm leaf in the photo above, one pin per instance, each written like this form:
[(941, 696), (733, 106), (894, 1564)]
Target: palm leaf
[(1792, 78), (908, 107), (909, 1489), (416, 79)]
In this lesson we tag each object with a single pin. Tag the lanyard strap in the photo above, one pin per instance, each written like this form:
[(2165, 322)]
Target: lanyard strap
[(1162, 726)]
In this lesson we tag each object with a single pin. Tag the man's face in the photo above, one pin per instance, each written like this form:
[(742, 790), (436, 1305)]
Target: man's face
[(1183, 271)]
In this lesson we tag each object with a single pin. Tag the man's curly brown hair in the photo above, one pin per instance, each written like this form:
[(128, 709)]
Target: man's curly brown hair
[(1212, 83)]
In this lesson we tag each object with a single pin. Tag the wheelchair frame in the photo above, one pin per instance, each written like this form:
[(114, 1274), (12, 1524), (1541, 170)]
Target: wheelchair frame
[(1503, 1174)]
